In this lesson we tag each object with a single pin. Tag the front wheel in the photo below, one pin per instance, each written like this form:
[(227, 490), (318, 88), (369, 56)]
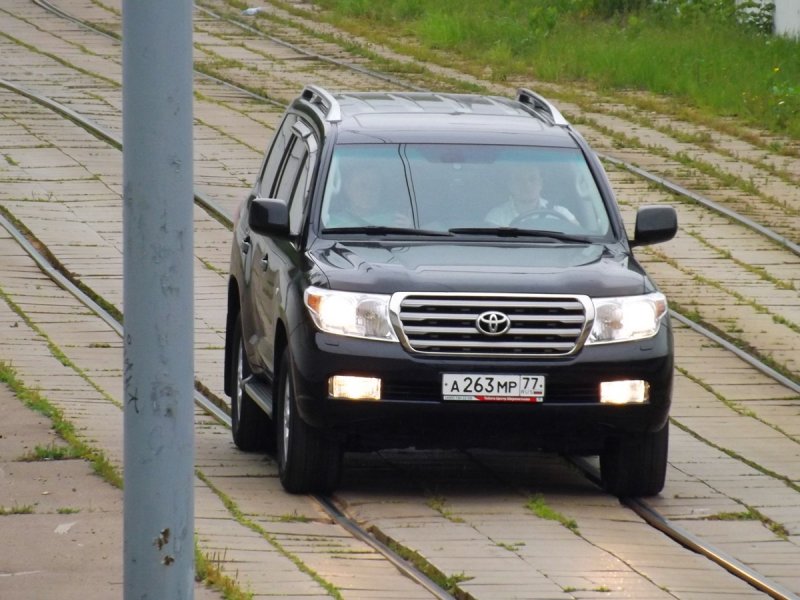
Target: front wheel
[(249, 424), (635, 465), (308, 461)]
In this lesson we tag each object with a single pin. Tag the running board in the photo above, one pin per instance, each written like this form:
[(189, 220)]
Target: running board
[(260, 393)]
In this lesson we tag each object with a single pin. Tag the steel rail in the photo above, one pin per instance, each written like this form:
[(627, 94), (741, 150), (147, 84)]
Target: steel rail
[(202, 199), (742, 354), (688, 540), (702, 200), (399, 562), (697, 545), (314, 55)]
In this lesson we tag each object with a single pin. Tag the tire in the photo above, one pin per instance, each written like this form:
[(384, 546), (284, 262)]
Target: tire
[(635, 465), (250, 426), (308, 461)]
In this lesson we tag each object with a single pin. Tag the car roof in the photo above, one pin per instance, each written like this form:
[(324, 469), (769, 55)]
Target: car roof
[(427, 117)]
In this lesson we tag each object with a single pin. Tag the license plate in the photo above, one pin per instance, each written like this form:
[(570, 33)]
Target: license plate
[(492, 388)]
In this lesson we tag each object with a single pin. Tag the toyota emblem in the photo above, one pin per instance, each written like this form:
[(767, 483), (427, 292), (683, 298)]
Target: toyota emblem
[(493, 322)]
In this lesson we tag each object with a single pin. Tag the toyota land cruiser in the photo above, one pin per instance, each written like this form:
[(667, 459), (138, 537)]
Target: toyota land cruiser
[(443, 270)]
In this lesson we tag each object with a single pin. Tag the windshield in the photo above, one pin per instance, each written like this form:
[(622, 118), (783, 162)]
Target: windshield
[(463, 189)]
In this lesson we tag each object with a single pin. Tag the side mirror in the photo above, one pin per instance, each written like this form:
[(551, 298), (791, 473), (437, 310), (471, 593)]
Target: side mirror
[(654, 224), (268, 216)]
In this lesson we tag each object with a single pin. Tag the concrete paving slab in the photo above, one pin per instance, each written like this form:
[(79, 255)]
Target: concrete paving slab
[(65, 520)]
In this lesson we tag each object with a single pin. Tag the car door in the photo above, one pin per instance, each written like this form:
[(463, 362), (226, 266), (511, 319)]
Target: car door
[(274, 256), (266, 182)]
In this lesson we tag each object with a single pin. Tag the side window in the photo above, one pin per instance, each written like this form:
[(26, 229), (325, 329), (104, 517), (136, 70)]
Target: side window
[(297, 203), (273, 163), (293, 161), (298, 163)]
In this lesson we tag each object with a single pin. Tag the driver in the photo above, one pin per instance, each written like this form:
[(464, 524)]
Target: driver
[(525, 188), (364, 202)]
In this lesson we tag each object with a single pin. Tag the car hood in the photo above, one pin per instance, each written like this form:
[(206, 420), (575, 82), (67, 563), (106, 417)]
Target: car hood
[(386, 267)]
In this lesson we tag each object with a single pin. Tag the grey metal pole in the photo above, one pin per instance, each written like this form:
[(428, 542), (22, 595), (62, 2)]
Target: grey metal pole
[(158, 299)]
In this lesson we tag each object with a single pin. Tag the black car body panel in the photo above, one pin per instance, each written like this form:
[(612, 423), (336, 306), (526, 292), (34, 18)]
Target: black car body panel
[(478, 267)]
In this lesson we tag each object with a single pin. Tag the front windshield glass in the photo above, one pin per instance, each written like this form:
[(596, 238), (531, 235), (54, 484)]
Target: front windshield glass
[(446, 187)]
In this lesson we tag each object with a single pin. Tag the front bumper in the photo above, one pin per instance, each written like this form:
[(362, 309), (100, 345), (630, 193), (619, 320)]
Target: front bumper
[(412, 412)]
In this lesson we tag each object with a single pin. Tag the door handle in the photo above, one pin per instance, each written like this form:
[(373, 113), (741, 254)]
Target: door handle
[(265, 263), (245, 245)]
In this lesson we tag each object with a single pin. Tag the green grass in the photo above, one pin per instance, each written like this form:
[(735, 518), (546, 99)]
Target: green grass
[(539, 507), (26, 509), (77, 446), (700, 55), (439, 504), (52, 452), (447, 582), (67, 510), (751, 514), (209, 570)]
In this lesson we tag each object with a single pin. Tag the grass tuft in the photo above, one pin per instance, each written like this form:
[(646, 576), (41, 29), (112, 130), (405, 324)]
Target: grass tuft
[(539, 507)]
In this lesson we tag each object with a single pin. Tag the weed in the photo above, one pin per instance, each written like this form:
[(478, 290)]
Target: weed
[(437, 503), (539, 507), (751, 514), (35, 401), (240, 517), (294, 518), (51, 452), (448, 582), (209, 569), (26, 509), (512, 546)]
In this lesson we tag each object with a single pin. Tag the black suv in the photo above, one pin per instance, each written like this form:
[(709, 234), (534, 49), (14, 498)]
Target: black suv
[(443, 270)]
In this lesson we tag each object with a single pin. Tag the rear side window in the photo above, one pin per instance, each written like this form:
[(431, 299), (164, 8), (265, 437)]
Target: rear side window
[(293, 180), (265, 186)]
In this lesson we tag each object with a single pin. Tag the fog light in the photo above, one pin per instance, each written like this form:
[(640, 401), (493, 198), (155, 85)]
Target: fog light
[(351, 387), (632, 391)]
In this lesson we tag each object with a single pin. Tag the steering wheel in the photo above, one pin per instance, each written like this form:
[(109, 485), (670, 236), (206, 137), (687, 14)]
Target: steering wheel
[(538, 213)]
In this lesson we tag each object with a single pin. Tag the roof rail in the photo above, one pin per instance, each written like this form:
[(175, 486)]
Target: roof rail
[(322, 97), (526, 96)]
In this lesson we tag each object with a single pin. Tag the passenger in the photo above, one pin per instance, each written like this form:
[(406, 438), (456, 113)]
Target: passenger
[(363, 202), (525, 188)]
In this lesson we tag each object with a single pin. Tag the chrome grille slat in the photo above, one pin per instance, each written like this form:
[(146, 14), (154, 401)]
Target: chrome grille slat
[(409, 316), (454, 344), (499, 304), (541, 325), (514, 331)]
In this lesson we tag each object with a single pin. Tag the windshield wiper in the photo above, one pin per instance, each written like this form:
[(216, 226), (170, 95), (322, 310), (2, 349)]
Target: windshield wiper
[(518, 232), (385, 230)]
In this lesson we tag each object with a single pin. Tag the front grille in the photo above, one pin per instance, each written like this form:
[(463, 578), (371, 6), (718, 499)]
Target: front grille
[(448, 324)]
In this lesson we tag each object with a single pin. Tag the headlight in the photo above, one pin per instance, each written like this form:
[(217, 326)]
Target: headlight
[(627, 318), (350, 313)]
